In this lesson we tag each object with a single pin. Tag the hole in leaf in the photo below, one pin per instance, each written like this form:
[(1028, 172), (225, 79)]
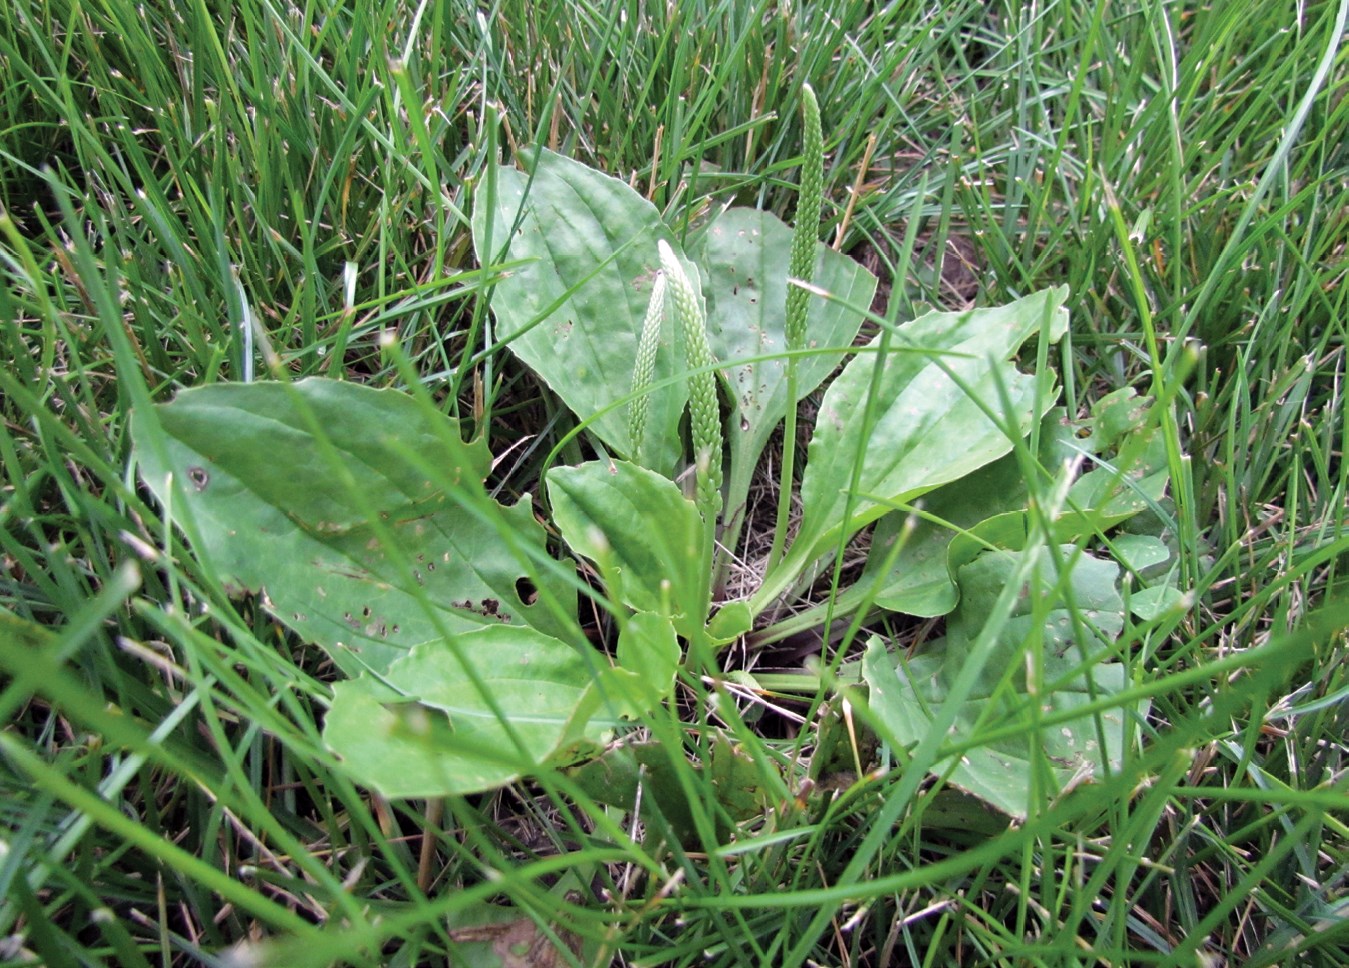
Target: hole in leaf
[(198, 477), (526, 590)]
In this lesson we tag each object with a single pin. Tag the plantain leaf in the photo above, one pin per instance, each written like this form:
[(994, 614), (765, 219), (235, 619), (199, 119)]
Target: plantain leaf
[(648, 647), (426, 728), (639, 528), (1068, 633), (1136, 476), (732, 620), (921, 579), (1155, 601), (280, 483), (648, 657), (573, 310), (927, 429), (645, 775)]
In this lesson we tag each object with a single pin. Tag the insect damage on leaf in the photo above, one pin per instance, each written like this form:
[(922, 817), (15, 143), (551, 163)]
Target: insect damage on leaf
[(486, 607)]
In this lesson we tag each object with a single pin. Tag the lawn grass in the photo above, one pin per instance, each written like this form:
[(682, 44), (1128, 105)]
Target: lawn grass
[(202, 193)]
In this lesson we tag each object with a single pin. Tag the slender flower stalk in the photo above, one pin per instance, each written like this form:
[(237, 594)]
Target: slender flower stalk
[(805, 238), (704, 411), (645, 367), (705, 427)]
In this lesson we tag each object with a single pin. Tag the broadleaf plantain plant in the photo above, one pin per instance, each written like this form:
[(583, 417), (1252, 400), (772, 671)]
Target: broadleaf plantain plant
[(361, 518)]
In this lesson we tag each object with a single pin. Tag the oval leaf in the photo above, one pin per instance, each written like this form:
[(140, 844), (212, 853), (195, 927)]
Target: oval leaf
[(280, 481), (429, 730), (1000, 773), (573, 311), (643, 533), (647, 646), (928, 430)]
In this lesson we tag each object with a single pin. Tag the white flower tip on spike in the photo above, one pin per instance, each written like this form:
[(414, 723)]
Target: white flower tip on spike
[(666, 253)]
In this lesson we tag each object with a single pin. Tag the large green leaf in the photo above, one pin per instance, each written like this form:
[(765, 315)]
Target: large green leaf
[(573, 310), (280, 483), (744, 255), (639, 528), (921, 578), (928, 427), (1064, 630), (426, 728)]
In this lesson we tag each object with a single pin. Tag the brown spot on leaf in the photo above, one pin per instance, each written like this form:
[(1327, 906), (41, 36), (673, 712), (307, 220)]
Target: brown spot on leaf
[(486, 607)]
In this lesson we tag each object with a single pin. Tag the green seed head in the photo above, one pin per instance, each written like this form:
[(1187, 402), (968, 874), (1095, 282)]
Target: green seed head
[(704, 411), (808, 206), (645, 367)]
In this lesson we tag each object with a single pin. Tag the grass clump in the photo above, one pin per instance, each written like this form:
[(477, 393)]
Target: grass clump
[(199, 195)]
